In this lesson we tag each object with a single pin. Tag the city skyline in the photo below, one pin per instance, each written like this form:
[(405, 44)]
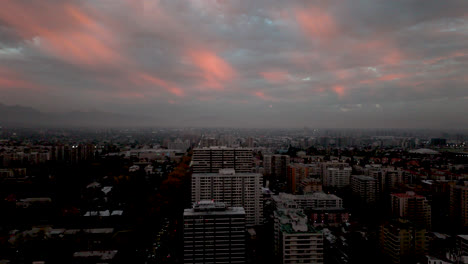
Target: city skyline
[(262, 63)]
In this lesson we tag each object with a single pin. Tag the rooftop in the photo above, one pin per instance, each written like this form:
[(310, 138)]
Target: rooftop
[(363, 177), (205, 207), (288, 228), (424, 151), (407, 195), (227, 174)]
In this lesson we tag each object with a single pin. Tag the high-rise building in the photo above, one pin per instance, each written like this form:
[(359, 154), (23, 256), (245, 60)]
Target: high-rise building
[(249, 142), (365, 188), (459, 206), (298, 172), (296, 241), (214, 233), (403, 242), (233, 189), (212, 159), (393, 178), (276, 165), (337, 177), (388, 178), (412, 207)]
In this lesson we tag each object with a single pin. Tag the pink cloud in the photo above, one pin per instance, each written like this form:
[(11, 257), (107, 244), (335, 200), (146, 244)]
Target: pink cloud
[(442, 58), (149, 79), (265, 97), (339, 90), (10, 80), (68, 32), (317, 23), (391, 77), (275, 76), (213, 69), (381, 50)]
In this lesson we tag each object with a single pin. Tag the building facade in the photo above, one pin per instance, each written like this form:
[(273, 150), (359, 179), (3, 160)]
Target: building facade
[(233, 189), (412, 207), (212, 159), (322, 209), (297, 172), (296, 241), (459, 206), (214, 233), (276, 165), (402, 242), (365, 189)]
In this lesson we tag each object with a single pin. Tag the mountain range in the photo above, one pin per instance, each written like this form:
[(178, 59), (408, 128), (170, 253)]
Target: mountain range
[(22, 116)]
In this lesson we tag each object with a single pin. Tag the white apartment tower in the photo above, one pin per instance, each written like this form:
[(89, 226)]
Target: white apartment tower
[(212, 159), (233, 189), (296, 241), (337, 177)]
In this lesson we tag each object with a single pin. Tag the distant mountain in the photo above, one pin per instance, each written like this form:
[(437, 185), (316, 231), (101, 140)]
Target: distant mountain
[(29, 117)]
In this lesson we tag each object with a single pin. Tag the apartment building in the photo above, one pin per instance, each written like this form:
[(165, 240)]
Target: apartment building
[(214, 233), (212, 159), (233, 189)]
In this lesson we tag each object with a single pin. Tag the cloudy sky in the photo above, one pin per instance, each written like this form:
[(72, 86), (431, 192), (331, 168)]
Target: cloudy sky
[(247, 63)]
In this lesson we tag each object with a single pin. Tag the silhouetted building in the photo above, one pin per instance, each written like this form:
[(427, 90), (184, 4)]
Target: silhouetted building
[(438, 141), (403, 242), (459, 206), (276, 165), (412, 207), (214, 233), (365, 189)]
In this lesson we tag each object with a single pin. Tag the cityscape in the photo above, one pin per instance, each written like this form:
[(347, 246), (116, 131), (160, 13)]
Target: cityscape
[(233, 132), (233, 195)]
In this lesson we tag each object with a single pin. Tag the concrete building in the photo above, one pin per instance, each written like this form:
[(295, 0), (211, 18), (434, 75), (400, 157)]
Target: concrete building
[(233, 189), (276, 165), (179, 144), (296, 241), (459, 206), (462, 245), (412, 207), (214, 233), (331, 164), (365, 189), (310, 185), (322, 209), (337, 177), (403, 242), (212, 159), (318, 200), (296, 173), (394, 177), (388, 178)]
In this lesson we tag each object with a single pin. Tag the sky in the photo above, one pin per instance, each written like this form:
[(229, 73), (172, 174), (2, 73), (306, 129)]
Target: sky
[(256, 63)]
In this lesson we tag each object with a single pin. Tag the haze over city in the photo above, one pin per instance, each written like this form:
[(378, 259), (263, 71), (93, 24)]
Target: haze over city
[(262, 63)]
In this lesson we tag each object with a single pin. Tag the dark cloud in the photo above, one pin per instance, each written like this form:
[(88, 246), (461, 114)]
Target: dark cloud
[(368, 63)]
